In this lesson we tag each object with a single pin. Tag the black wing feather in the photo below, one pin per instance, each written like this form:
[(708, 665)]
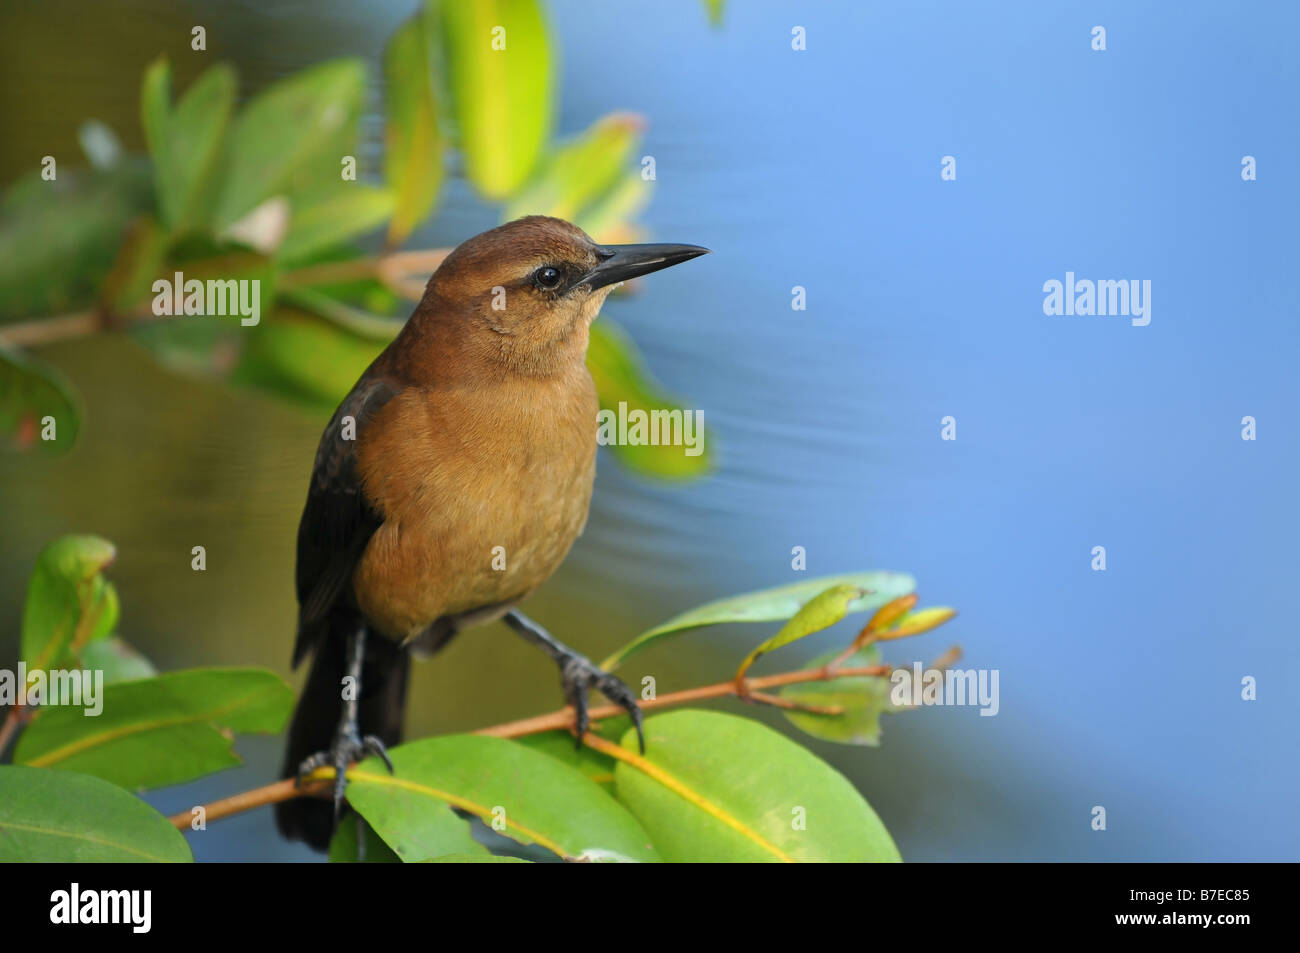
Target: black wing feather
[(337, 520)]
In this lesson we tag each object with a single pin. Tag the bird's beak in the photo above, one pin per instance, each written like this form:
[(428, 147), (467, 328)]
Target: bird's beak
[(621, 262)]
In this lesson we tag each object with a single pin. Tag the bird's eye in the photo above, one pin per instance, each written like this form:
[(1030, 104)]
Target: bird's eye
[(547, 278)]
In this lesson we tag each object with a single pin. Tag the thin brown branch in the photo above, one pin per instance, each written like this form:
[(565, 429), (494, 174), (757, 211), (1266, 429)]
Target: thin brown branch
[(559, 720), (405, 273), (18, 716)]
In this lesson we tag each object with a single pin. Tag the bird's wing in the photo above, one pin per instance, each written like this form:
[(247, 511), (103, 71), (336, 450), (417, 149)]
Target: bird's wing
[(337, 520)]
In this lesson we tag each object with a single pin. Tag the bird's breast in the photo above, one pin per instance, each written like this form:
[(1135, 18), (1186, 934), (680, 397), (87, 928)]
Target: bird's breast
[(482, 491)]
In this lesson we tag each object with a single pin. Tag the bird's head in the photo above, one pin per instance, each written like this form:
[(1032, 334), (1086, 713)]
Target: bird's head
[(524, 294)]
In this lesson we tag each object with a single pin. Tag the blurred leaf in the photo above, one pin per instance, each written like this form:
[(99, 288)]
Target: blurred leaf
[(413, 143), (579, 172), (863, 699), (185, 142), (358, 321), (69, 602), (502, 98), (117, 660), (60, 817), (914, 623), (30, 392), (767, 605), (616, 368), (297, 356), (820, 612), (139, 261), (352, 210), (293, 123), (343, 845), (714, 9), (608, 220), (156, 104), (718, 788), (558, 808), (58, 239), (159, 731)]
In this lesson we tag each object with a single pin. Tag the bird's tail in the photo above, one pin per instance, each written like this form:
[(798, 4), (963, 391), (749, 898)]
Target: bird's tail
[(382, 702)]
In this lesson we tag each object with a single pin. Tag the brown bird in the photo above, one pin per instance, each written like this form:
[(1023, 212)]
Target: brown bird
[(474, 429)]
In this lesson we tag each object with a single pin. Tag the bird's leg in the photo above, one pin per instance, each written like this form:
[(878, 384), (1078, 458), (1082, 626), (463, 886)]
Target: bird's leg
[(578, 674), (349, 745)]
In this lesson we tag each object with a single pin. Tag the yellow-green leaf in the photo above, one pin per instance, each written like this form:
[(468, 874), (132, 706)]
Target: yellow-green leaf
[(579, 172), (768, 605), (413, 143), (821, 612), (914, 623), (69, 602), (498, 62)]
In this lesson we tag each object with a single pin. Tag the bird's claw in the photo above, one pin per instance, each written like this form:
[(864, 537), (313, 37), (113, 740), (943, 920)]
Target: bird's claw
[(348, 748), (579, 675)]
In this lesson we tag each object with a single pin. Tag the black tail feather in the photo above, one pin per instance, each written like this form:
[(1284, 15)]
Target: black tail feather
[(382, 703)]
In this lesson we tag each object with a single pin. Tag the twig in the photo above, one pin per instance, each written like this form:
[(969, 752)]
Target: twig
[(19, 715), (560, 719), (395, 270)]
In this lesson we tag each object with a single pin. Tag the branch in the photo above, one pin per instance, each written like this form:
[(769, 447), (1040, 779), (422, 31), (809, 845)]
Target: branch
[(320, 782), (403, 272)]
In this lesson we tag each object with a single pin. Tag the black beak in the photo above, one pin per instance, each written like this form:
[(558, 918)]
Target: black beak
[(621, 262)]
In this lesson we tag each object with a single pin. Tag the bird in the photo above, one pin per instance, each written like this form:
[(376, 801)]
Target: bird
[(448, 486)]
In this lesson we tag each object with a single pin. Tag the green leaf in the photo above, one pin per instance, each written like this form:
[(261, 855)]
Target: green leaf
[(117, 660), (186, 143), (159, 731), (59, 239), (69, 602), (293, 127), (35, 402), (820, 612), (595, 765), (350, 210), (718, 788), (624, 387), (60, 817), (476, 859), (413, 143), (502, 98), (343, 845), (156, 104), (863, 699), (575, 175), (767, 605), (297, 356), (539, 800)]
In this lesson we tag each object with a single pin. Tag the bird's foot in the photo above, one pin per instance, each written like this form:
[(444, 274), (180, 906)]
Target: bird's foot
[(349, 747), (579, 675)]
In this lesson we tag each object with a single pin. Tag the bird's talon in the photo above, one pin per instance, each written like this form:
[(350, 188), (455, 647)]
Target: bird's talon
[(580, 674)]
